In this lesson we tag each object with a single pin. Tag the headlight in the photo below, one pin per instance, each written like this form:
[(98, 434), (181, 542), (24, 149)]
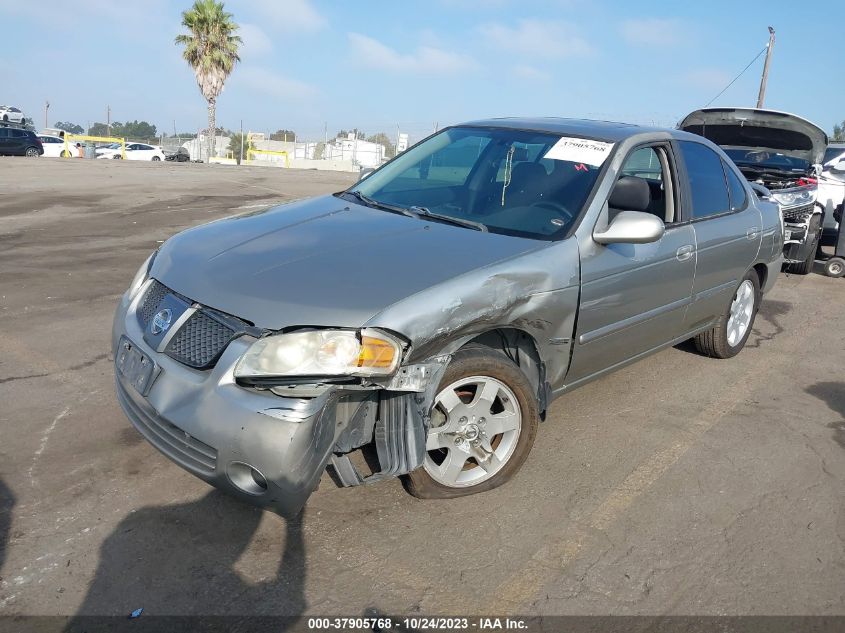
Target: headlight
[(795, 197), (321, 353), (141, 275)]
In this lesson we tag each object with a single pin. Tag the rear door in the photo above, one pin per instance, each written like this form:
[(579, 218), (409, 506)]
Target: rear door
[(19, 141), (634, 296), (728, 230)]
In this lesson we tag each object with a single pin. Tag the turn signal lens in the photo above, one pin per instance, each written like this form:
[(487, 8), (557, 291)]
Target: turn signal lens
[(377, 353)]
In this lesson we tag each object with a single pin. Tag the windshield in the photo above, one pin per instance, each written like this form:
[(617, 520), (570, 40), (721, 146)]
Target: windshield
[(769, 160), (499, 178)]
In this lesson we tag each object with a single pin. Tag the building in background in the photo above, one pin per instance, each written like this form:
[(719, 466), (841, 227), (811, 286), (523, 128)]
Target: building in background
[(361, 153)]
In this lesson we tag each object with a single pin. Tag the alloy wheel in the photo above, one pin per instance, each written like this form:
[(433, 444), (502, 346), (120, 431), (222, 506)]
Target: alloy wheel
[(476, 424), (742, 310)]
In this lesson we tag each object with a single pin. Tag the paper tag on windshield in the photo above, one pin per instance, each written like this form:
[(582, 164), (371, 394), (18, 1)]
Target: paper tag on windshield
[(580, 150)]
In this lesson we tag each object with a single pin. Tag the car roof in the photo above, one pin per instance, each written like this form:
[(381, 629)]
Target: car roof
[(604, 130)]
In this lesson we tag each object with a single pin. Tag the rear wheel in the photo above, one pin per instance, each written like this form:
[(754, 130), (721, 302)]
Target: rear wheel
[(733, 328), (483, 426), (156, 158), (5, 118), (32, 152)]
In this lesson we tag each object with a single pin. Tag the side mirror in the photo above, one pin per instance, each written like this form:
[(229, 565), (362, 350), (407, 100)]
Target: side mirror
[(631, 227), (365, 171)]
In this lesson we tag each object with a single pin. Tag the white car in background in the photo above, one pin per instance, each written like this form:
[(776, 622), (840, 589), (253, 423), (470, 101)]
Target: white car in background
[(8, 114), (832, 189), (54, 147), (134, 151)]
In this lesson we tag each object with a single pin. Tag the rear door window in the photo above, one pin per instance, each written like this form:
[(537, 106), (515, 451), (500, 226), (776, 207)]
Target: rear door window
[(708, 188)]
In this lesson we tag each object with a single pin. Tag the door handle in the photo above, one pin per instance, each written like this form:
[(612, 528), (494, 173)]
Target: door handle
[(684, 253), (752, 233)]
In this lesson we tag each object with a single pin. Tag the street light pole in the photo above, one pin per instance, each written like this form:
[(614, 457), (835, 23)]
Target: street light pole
[(761, 97), (46, 109)]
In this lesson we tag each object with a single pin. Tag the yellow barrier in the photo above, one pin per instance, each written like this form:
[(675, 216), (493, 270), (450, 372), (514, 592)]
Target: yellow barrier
[(97, 139), (266, 152)]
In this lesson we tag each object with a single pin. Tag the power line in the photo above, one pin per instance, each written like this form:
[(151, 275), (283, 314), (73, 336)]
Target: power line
[(733, 81)]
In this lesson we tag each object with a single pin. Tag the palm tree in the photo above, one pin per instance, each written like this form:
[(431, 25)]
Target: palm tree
[(211, 48)]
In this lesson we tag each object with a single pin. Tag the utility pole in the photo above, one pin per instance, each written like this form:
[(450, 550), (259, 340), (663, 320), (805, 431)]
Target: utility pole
[(761, 97), (46, 109), (240, 160), (108, 120)]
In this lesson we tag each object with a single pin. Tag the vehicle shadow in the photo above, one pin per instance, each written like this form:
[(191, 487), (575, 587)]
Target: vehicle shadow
[(7, 502), (832, 394), (179, 560)]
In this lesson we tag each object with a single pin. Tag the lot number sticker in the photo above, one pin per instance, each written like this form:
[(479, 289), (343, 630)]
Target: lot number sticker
[(580, 150)]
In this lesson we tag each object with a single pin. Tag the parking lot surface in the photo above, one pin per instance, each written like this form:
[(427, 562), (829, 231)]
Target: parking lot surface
[(680, 485)]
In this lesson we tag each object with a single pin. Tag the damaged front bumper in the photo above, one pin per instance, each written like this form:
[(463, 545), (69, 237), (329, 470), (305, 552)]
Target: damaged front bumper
[(800, 233), (267, 449)]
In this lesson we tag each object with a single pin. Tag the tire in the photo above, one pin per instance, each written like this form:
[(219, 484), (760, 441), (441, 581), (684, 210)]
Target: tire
[(727, 338), (65, 154), (834, 267), (31, 152), (509, 404), (155, 158), (5, 118), (814, 233)]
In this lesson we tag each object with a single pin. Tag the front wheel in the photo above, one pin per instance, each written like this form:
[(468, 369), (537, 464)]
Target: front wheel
[(733, 328), (65, 154), (155, 158), (483, 426)]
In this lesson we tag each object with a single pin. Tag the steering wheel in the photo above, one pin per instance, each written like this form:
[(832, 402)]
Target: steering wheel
[(554, 206)]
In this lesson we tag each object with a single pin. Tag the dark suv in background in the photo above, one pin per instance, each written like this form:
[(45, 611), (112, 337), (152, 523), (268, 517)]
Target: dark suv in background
[(18, 142)]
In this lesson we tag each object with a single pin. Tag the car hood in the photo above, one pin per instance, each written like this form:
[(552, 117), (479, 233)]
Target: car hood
[(758, 130), (321, 262)]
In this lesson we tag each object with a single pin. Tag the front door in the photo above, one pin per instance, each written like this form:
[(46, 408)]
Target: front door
[(634, 296)]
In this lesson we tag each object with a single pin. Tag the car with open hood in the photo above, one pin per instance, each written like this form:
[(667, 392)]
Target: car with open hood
[(421, 322), (782, 153)]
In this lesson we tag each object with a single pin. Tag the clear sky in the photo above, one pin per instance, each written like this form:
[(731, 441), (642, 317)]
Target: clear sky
[(378, 63)]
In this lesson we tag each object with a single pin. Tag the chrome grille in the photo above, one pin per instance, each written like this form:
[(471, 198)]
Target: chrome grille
[(150, 302), (200, 341), (797, 214)]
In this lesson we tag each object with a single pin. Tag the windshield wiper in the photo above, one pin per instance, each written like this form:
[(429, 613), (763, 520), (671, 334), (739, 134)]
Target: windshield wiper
[(375, 204), (470, 224)]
